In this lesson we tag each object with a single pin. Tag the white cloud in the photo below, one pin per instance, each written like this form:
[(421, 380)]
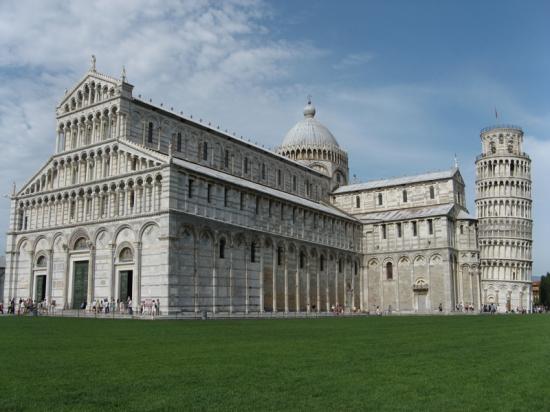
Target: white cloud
[(353, 60)]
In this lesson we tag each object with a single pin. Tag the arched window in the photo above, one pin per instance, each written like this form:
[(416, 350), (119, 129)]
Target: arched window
[(226, 159), (150, 133), (178, 142), (404, 196), (322, 263), (339, 265), (205, 151), (389, 271), (355, 268), (222, 248), (253, 252), (379, 199), (357, 202), (41, 262), (279, 256), (302, 260), (126, 255), (80, 244)]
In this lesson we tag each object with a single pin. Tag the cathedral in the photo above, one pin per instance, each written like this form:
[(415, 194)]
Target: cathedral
[(141, 202)]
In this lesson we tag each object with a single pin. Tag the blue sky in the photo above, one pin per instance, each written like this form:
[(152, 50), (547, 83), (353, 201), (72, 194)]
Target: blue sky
[(402, 85)]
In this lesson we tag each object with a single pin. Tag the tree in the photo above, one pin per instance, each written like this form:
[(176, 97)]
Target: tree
[(545, 290)]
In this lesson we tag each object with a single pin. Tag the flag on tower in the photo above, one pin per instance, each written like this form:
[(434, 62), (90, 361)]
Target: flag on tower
[(496, 113)]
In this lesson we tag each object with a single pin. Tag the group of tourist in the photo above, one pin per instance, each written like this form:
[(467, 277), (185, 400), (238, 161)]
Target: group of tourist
[(28, 306), (149, 307), (492, 309), (468, 307)]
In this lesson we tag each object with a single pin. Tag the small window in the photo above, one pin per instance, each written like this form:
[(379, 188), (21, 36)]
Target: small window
[(81, 244), (241, 201), (293, 215), (253, 252), (257, 204), (404, 196), (132, 199), (178, 142), (190, 189), (294, 183), (380, 202), (150, 133), (389, 271), (279, 256), (222, 248), (461, 229), (398, 225), (340, 266), (302, 260), (282, 210), (357, 202), (430, 227), (226, 159), (263, 171), (322, 263), (415, 229), (245, 167), (73, 205), (209, 193), (225, 196), (126, 255), (384, 232), (205, 151), (270, 207), (41, 262), (279, 177), (432, 192)]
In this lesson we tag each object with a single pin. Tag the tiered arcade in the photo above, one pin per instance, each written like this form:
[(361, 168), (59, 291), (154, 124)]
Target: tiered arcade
[(503, 203)]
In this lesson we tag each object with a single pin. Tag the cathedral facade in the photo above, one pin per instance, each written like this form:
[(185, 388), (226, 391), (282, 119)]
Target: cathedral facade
[(141, 202)]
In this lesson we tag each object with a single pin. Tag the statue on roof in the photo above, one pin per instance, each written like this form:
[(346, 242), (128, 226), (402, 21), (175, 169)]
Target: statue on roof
[(93, 63)]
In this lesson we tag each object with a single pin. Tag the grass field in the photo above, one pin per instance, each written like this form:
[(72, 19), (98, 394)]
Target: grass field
[(375, 363)]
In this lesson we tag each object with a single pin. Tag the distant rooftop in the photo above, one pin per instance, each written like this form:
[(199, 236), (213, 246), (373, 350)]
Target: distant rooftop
[(398, 181)]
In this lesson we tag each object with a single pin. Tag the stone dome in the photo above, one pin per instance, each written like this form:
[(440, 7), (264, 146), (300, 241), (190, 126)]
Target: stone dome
[(309, 132)]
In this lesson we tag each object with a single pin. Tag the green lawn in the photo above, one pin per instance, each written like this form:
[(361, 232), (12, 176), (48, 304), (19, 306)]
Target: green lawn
[(413, 363)]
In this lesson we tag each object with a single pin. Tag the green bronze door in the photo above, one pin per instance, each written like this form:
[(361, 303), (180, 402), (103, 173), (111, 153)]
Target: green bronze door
[(126, 278), (80, 284), (40, 288)]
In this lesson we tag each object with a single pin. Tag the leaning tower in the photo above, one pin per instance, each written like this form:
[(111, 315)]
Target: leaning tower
[(503, 204)]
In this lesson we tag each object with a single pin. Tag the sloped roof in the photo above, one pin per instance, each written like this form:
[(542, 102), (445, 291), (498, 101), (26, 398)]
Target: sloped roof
[(398, 181), (238, 181), (464, 215), (406, 214)]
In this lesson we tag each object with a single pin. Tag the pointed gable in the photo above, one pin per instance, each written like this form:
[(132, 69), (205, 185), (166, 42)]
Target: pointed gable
[(92, 88)]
